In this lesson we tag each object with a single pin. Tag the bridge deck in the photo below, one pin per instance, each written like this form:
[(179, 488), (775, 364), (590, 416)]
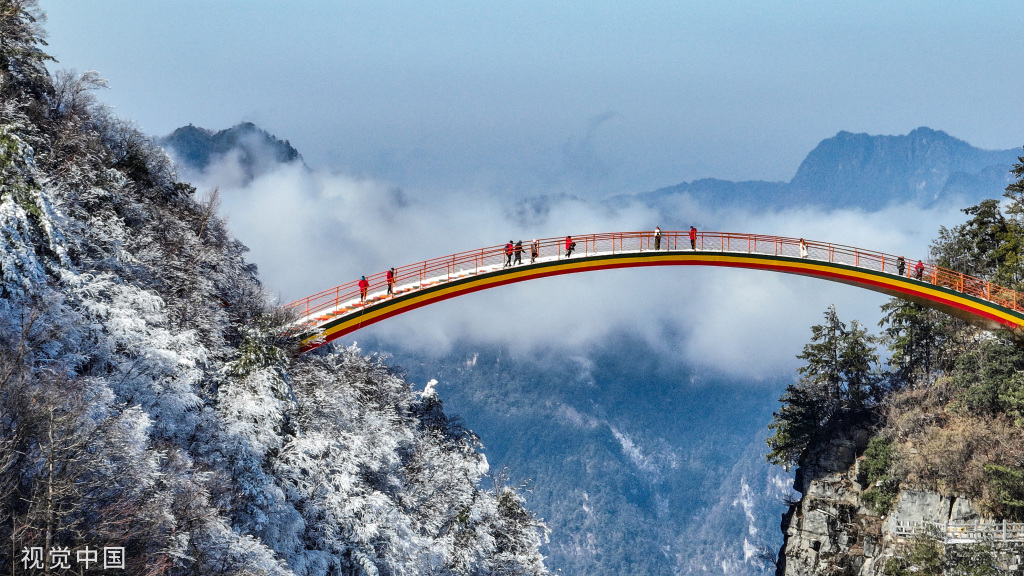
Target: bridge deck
[(338, 311)]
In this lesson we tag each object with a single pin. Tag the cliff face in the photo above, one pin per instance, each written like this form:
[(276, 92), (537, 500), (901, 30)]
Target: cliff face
[(831, 531), (828, 531)]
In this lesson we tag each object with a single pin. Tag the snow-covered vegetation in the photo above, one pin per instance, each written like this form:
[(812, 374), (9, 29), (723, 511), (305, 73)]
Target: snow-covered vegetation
[(148, 403)]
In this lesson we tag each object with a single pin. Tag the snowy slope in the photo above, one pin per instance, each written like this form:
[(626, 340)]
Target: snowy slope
[(148, 404)]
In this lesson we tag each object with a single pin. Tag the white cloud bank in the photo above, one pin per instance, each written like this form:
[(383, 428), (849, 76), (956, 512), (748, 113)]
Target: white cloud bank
[(312, 230)]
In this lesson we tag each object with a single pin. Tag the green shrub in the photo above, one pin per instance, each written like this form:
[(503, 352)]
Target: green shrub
[(879, 457), (880, 498), (923, 558), (977, 559), (876, 472), (1006, 486)]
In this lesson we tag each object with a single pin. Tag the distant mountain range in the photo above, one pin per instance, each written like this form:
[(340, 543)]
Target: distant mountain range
[(638, 463), (923, 167), (848, 170)]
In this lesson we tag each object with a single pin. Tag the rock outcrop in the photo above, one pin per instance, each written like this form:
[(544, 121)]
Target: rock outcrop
[(831, 531)]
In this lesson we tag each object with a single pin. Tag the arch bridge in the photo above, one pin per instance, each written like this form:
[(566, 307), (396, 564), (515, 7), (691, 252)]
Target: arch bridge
[(341, 310)]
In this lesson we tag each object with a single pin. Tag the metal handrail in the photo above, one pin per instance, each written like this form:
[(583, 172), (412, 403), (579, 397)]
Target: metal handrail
[(345, 298), (963, 531)]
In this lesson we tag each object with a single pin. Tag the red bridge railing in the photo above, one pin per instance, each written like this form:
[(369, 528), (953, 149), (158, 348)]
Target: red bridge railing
[(345, 298)]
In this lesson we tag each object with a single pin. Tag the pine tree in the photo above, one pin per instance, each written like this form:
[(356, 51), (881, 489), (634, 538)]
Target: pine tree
[(914, 335), (838, 385)]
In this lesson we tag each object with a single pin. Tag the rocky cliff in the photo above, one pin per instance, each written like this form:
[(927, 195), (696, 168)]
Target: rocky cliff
[(833, 531)]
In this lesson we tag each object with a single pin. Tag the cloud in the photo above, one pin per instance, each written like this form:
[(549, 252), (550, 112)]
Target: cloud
[(310, 230)]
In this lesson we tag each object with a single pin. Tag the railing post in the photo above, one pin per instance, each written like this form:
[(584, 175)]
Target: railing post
[(988, 290)]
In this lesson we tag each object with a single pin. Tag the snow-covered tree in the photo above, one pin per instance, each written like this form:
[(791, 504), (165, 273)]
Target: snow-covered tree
[(148, 400)]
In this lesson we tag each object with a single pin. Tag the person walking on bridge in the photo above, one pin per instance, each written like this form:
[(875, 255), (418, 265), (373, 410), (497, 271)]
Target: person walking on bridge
[(901, 265), (391, 282), (657, 237), (803, 248), (363, 287), (919, 270), (534, 251), (693, 238), (519, 252), (508, 254), (569, 246)]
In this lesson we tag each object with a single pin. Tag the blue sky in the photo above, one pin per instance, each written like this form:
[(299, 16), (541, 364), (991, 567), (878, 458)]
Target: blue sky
[(467, 105), (588, 98)]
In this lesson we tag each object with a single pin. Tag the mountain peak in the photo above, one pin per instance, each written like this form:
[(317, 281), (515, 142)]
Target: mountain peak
[(871, 171), (856, 169), (257, 150)]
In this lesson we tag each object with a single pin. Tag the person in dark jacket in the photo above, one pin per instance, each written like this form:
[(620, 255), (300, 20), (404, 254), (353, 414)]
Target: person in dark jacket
[(508, 254), (363, 287), (569, 246), (901, 265), (519, 252), (693, 238)]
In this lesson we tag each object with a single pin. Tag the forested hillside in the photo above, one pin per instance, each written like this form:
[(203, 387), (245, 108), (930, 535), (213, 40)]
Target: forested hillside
[(148, 404), (937, 406)]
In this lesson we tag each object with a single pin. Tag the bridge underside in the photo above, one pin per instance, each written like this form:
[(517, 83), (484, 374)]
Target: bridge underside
[(976, 311)]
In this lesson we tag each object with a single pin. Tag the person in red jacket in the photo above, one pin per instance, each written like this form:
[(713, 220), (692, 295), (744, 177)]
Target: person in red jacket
[(508, 254), (693, 238), (918, 270), (569, 246), (363, 287), (391, 282)]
